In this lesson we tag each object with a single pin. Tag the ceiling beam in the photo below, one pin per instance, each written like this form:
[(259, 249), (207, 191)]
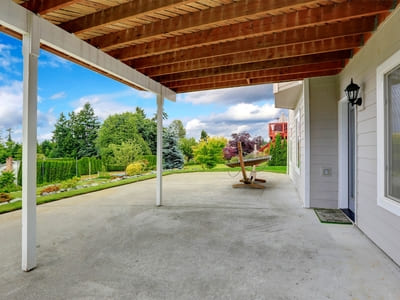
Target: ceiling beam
[(257, 66), (215, 15), (118, 13), (307, 34), (322, 46), (43, 7), (256, 81), (320, 15), (325, 66)]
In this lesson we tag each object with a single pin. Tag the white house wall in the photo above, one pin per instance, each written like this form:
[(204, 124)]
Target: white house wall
[(323, 141), (380, 225)]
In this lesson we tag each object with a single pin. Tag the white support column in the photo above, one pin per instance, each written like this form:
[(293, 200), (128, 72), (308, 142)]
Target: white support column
[(160, 103), (31, 43)]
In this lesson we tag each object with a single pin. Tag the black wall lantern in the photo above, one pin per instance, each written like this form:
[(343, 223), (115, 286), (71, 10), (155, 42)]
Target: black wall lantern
[(352, 93)]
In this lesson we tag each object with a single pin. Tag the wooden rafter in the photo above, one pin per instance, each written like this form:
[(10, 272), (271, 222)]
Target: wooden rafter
[(190, 45), (320, 15), (117, 13), (325, 66), (46, 6), (264, 80), (352, 27), (322, 46), (215, 15), (257, 66)]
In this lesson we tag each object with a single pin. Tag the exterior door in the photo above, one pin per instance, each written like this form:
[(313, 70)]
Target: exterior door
[(351, 161)]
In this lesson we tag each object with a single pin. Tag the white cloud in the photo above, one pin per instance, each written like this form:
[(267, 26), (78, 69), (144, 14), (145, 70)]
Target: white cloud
[(7, 60), (247, 112), (47, 59), (237, 118), (248, 94), (11, 107), (59, 95), (11, 112), (108, 104)]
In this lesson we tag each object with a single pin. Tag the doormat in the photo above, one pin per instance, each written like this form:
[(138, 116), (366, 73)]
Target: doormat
[(331, 216)]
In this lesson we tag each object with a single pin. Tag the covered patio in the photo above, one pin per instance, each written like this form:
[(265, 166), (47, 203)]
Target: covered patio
[(218, 243)]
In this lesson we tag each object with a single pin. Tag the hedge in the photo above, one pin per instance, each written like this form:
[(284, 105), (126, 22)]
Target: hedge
[(56, 170)]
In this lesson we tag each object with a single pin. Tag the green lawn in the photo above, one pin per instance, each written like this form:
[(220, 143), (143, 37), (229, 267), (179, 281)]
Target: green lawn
[(187, 169)]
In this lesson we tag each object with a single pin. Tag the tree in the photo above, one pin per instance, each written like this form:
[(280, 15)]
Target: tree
[(209, 152), (65, 144), (172, 155), (85, 126), (248, 144), (147, 128), (278, 152), (177, 127), (124, 154), (46, 148), (186, 146), (203, 135), (118, 129)]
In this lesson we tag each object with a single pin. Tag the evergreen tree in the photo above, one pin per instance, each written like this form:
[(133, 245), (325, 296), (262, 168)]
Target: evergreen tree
[(172, 156), (85, 126), (66, 145), (278, 152)]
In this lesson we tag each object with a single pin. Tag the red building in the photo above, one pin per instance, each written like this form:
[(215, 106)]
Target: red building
[(277, 128)]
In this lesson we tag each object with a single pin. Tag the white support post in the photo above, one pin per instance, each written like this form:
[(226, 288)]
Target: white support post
[(31, 44), (160, 102)]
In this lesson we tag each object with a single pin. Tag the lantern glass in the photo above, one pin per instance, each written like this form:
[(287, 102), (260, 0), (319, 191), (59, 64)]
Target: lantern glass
[(352, 91)]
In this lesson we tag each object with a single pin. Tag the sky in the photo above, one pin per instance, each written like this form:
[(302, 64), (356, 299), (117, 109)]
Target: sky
[(64, 87)]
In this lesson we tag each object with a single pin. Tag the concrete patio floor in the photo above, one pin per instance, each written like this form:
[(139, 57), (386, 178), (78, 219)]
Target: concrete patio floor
[(209, 241)]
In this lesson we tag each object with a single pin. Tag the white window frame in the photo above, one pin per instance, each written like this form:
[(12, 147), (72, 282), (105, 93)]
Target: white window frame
[(382, 200)]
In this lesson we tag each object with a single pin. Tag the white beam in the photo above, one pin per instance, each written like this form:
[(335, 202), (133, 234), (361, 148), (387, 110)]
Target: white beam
[(31, 47), (14, 16), (160, 102)]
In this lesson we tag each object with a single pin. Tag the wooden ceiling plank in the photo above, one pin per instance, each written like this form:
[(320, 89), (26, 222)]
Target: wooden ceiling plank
[(263, 80), (322, 46), (268, 64), (357, 26), (43, 7), (259, 74), (216, 15), (117, 13), (320, 15)]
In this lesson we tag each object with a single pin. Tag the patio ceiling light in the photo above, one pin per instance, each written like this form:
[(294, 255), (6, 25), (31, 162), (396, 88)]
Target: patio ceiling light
[(352, 93)]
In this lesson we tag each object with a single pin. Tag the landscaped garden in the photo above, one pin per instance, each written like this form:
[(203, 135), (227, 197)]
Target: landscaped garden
[(85, 156)]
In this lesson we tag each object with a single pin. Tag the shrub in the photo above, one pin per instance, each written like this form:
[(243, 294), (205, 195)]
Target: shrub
[(134, 169), (5, 197), (70, 183), (50, 189), (6, 178)]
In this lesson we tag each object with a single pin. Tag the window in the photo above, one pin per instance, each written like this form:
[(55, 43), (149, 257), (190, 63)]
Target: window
[(388, 134), (298, 141)]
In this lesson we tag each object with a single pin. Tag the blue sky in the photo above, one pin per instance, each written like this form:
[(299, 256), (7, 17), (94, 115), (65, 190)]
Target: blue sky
[(64, 87)]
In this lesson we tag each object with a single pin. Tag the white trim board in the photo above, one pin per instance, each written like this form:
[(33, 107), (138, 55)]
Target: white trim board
[(15, 17), (343, 142), (307, 144), (382, 200)]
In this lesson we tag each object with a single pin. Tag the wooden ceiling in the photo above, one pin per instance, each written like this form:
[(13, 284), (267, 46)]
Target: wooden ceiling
[(192, 45)]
